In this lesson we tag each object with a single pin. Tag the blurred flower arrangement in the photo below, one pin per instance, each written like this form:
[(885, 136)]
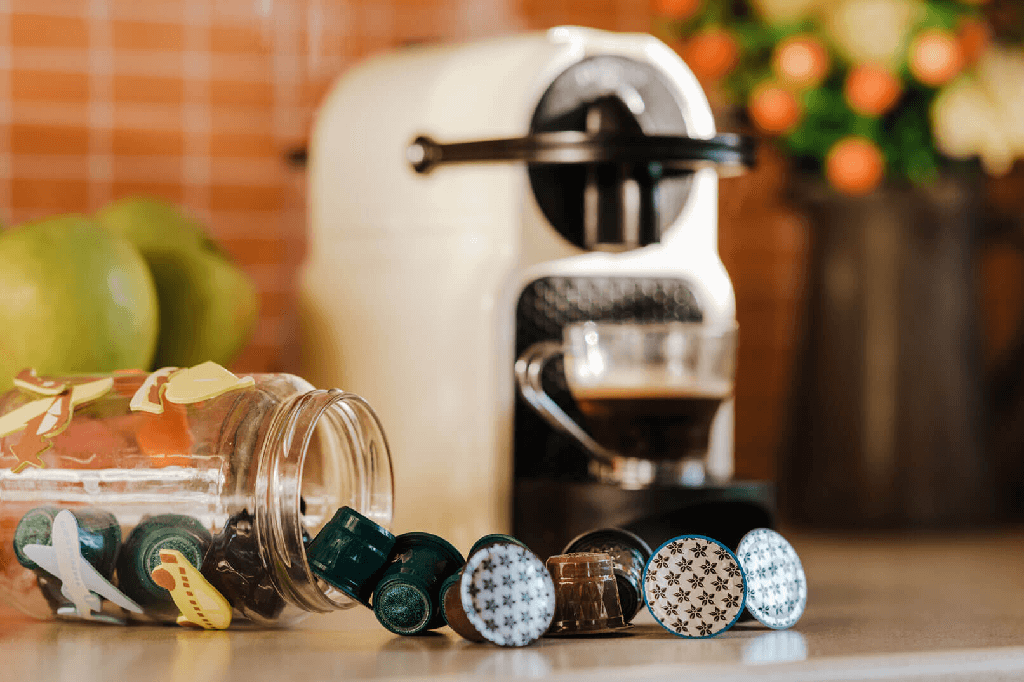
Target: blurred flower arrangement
[(863, 89)]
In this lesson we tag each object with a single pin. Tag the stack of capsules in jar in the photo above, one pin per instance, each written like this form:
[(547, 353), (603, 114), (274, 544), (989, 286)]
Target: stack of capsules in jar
[(168, 568), (502, 593)]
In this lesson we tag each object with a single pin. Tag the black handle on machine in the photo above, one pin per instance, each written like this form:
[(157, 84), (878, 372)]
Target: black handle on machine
[(728, 153)]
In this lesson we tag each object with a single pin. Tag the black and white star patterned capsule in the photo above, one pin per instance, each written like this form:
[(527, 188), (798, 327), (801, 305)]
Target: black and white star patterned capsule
[(776, 584), (507, 594), (694, 586)]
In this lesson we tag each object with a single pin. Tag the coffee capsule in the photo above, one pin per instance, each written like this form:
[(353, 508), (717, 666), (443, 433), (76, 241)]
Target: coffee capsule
[(486, 540), (50, 587), (407, 599), (453, 611), (694, 586), (776, 584), (349, 552), (99, 536), (141, 555), (504, 595), (629, 554), (234, 566), (450, 583), (464, 628), (586, 594), (492, 538)]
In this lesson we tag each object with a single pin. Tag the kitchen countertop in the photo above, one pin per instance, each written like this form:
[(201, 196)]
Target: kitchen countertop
[(923, 608)]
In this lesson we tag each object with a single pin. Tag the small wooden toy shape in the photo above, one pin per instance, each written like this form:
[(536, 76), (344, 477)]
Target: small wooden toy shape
[(81, 584), (199, 602), (39, 430), (46, 417), (27, 380), (203, 382), (150, 396), (185, 386)]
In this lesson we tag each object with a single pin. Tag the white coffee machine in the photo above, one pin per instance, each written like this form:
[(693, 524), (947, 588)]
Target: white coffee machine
[(468, 200)]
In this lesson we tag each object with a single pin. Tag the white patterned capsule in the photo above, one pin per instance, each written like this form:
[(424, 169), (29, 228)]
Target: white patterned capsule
[(776, 584), (507, 594)]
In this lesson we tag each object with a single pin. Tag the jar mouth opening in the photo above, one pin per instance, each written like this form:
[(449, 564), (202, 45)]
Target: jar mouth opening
[(333, 474), (327, 450)]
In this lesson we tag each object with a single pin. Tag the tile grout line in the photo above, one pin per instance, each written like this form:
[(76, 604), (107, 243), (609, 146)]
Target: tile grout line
[(100, 107), (6, 113), (196, 109), (288, 67)]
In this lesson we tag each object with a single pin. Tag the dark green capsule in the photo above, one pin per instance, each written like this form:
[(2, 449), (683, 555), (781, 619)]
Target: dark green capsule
[(407, 598), (349, 552), (99, 536), (141, 554), (450, 582), (492, 538)]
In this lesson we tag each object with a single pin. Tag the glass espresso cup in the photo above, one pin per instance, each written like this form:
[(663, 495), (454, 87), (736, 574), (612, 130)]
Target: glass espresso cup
[(648, 394)]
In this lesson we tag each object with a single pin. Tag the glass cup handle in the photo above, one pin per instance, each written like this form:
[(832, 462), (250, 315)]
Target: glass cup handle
[(529, 368)]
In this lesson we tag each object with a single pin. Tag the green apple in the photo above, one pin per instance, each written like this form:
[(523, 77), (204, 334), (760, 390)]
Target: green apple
[(208, 306), (75, 299)]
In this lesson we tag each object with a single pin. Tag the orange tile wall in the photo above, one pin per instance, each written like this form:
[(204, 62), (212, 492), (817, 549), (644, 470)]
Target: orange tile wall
[(199, 101)]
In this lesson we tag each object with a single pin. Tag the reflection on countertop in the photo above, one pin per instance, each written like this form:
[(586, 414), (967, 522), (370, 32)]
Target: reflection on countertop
[(879, 608)]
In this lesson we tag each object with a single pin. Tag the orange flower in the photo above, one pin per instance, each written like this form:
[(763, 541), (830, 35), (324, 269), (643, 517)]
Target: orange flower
[(801, 61), (711, 53), (935, 57), (973, 35), (773, 109), (855, 165), (871, 90), (677, 9)]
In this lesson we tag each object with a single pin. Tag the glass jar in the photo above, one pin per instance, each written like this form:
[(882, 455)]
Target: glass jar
[(261, 467)]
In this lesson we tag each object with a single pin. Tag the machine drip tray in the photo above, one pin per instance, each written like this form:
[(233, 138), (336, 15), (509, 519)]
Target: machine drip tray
[(549, 513)]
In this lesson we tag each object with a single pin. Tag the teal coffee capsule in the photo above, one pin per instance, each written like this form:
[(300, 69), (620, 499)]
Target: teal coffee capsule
[(407, 599), (492, 538), (450, 582), (99, 536), (141, 555), (349, 552)]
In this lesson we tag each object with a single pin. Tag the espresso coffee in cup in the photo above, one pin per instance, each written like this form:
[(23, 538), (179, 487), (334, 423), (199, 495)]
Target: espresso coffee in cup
[(648, 394), (650, 421)]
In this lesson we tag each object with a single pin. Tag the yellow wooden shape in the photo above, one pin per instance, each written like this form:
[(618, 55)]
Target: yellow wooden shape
[(80, 394), (199, 602), (27, 380), (203, 382), (142, 401)]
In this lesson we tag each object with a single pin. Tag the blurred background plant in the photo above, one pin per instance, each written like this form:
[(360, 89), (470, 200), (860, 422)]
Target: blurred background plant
[(861, 90)]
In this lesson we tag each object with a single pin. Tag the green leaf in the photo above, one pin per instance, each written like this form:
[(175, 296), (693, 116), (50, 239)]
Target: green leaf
[(779, 32), (941, 14), (868, 127)]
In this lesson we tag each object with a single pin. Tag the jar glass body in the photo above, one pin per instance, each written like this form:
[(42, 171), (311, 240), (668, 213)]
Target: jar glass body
[(272, 461)]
